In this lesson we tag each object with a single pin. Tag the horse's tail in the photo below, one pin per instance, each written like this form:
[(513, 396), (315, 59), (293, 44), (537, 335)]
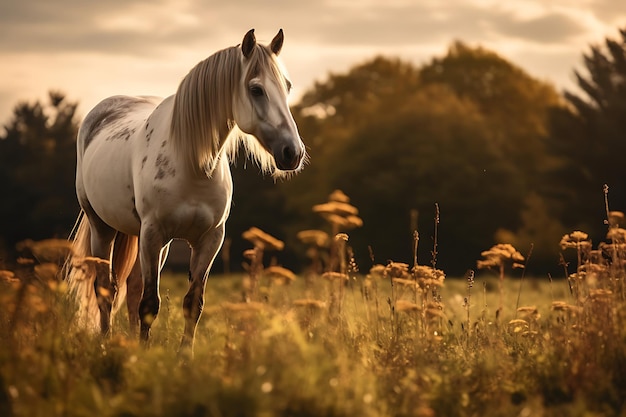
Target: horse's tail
[(124, 256), (81, 272)]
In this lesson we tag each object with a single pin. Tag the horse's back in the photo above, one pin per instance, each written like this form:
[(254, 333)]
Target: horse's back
[(107, 141), (112, 111)]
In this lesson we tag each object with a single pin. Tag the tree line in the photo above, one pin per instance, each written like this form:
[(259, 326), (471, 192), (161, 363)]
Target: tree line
[(503, 155)]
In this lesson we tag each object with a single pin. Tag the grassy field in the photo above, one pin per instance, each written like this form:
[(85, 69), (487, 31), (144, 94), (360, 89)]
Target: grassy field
[(397, 342)]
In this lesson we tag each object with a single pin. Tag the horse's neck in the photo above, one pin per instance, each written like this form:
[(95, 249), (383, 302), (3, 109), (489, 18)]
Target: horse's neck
[(161, 119)]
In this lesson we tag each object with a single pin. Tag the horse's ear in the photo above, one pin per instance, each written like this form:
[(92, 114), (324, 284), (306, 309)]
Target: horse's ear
[(277, 42), (248, 44)]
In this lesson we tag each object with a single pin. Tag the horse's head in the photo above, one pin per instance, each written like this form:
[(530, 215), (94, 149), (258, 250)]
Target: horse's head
[(261, 108)]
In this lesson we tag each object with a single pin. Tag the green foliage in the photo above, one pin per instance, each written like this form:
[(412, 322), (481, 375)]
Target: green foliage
[(37, 166)]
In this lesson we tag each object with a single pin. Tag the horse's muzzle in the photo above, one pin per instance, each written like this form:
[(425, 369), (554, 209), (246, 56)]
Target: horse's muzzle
[(288, 157)]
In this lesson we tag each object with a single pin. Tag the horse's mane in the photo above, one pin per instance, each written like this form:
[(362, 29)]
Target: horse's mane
[(202, 116)]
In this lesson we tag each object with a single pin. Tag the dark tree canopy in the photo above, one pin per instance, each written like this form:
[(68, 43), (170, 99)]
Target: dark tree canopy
[(589, 135), (466, 131), (37, 168)]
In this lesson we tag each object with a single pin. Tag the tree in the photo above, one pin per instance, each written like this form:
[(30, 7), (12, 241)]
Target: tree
[(37, 168), (466, 131), (590, 136)]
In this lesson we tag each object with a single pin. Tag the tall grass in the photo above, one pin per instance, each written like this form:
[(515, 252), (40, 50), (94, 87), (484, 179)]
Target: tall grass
[(393, 341)]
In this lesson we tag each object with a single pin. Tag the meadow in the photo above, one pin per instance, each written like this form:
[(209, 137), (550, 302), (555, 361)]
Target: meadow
[(397, 340)]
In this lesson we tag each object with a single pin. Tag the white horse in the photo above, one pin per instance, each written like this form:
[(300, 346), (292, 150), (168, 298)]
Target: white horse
[(150, 170)]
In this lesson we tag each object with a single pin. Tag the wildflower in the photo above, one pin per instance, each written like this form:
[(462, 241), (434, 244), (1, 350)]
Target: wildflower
[(406, 306), (338, 196), (47, 272), (314, 237), (334, 207), (433, 313), (47, 250), (339, 212), (600, 294), (397, 270), (280, 274), (249, 254), (616, 218), (262, 240), (575, 239), (377, 270), (428, 277), (404, 282), (341, 236), (563, 306), (518, 325), (8, 276), (529, 312), (331, 276), (498, 255), (616, 234)]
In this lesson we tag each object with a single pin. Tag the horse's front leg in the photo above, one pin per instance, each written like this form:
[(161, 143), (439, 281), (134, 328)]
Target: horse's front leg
[(134, 291), (150, 243), (202, 256)]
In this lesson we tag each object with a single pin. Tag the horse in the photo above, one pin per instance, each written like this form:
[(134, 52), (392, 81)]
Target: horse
[(150, 170)]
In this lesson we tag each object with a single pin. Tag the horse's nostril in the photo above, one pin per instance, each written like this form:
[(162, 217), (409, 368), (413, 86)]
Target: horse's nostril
[(288, 153)]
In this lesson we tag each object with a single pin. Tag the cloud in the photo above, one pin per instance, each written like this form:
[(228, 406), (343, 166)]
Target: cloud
[(91, 49), (549, 28), (133, 27)]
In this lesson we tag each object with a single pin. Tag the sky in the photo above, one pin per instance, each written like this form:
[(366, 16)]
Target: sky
[(92, 49)]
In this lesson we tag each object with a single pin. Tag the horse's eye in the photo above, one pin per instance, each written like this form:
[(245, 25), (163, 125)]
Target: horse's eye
[(256, 91)]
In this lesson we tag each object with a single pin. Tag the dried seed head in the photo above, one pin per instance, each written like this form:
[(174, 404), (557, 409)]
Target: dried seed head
[(518, 325), (339, 197), (406, 306), (249, 254), (262, 240), (563, 306), (47, 250), (377, 270), (432, 313), (616, 218), (499, 255), (8, 277), (600, 294), (335, 207), (332, 276), (616, 235), (314, 237), (280, 273), (47, 272), (575, 239), (397, 270), (404, 282)]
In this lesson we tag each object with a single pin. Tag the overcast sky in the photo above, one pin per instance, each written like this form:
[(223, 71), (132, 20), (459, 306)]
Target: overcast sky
[(91, 49)]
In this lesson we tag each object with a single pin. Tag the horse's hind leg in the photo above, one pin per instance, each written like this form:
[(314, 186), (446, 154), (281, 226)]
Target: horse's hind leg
[(202, 256), (134, 291), (105, 286)]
